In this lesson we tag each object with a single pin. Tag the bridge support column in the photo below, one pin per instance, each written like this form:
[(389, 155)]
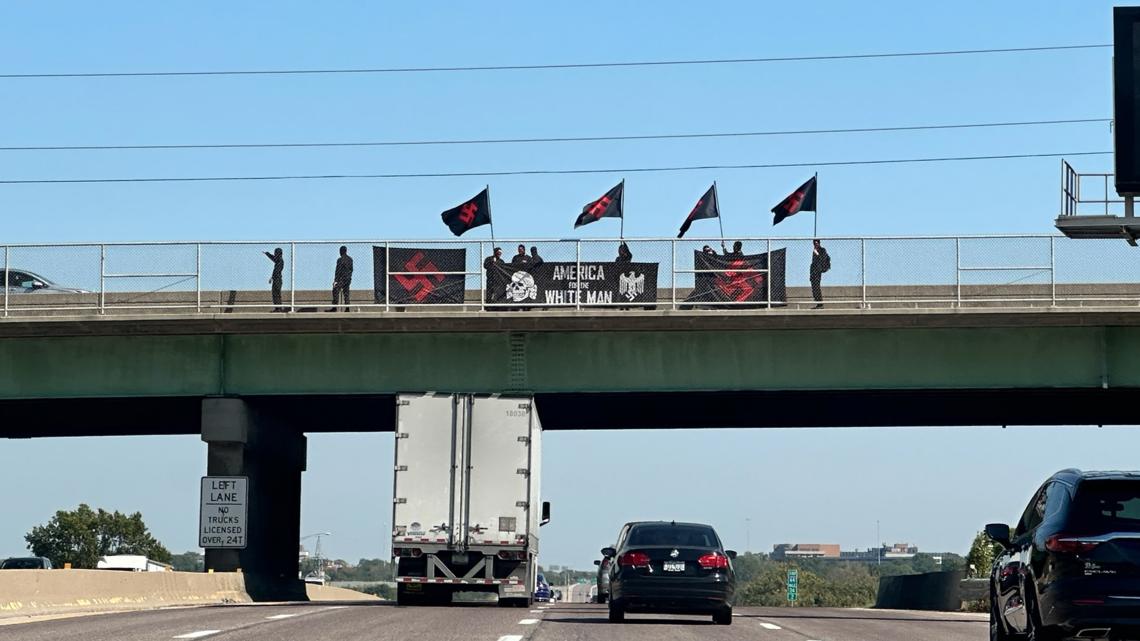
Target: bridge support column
[(270, 450)]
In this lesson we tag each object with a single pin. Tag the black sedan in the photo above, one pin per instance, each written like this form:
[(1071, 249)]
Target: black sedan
[(669, 567), (1071, 567)]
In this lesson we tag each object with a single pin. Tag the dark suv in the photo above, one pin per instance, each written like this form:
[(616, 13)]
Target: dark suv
[(669, 567), (1071, 567)]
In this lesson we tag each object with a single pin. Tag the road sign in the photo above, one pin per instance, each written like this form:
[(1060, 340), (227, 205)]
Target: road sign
[(793, 584), (583, 581), (222, 519)]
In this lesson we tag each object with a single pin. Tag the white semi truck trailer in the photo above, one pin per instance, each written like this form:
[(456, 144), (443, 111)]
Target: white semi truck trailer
[(466, 507)]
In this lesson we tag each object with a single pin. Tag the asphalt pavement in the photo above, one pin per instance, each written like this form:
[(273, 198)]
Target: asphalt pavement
[(558, 622)]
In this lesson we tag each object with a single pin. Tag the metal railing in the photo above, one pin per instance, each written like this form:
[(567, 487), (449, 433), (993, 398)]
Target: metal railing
[(866, 273), (1084, 194)]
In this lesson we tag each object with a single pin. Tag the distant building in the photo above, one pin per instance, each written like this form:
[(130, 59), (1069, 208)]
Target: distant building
[(887, 552), (788, 551)]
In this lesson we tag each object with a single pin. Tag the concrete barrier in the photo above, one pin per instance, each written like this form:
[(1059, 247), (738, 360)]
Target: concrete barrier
[(940, 591), (38, 592)]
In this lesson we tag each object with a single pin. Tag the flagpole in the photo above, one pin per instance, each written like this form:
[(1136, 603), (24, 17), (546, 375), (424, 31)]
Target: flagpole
[(815, 214), (490, 218), (622, 205), (719, 219)]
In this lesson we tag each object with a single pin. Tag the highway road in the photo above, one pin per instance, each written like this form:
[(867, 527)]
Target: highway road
[(559, 622)]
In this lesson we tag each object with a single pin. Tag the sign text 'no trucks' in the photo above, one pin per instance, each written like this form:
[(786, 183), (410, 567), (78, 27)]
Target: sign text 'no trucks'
[(222, 523)]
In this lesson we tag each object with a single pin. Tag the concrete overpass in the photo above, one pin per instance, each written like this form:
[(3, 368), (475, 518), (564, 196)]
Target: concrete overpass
[(252, 383)]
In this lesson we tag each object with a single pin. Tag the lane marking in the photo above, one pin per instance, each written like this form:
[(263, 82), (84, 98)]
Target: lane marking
[(197, 635), (283, 616), (335, 607), (770, 626), (528, 622), (511, 637), (536, 611)]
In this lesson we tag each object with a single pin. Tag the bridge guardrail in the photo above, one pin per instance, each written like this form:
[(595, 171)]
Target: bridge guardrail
[(656, 273)]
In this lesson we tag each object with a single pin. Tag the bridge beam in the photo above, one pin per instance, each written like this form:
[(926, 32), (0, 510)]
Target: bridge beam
[(245, 440)]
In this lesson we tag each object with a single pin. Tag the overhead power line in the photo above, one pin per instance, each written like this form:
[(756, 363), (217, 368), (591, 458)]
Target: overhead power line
[(561, 139), (545, 172), (574, 65)]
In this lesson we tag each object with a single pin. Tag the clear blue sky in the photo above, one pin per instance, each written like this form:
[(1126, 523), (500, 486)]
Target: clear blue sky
[(821, 485)]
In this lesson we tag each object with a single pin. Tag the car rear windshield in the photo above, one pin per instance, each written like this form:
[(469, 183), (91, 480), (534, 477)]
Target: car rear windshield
[(22, 564), (1106, 506), (679, 535)]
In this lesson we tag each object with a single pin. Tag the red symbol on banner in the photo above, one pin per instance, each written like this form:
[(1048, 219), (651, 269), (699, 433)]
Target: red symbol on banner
[(739, 286), (599, 207), (419, 286), (467, 213), (794, 201)]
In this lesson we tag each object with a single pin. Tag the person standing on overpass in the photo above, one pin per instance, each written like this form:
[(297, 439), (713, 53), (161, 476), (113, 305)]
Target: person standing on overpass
[(342, 279), (820, 263), (275, 280)]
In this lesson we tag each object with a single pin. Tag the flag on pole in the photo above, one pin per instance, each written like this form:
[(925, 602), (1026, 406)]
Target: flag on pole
[(802, 199), (707, 207), (469, 215), (608, 206)]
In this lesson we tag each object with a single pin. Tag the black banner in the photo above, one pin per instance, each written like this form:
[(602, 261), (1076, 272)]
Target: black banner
[(733, 279), (415, 278), (590, 283)]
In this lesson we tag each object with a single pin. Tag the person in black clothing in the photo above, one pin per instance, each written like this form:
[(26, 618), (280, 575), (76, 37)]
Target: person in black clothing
[(342, 279), (708, 251), (737, 250), (535, 259), (820, 263), (494, 265), (275, 280), (520, 259), (624, 254)]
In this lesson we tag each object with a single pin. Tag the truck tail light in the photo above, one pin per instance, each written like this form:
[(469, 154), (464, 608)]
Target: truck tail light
[(634, 560), (713, 561), (512, 555), (1066, 544), (407, 552)]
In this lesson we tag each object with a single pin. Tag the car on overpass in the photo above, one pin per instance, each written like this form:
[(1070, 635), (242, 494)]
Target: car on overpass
[(603, 579), (22, 281), (1071, 566), (670, 567), (26, 563)]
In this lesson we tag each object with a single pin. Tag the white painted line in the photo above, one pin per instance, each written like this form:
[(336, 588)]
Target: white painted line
[(511, 637), (282, 616), (528, 622), (335, 607), (197, 635), (536, 611), (770, 626)]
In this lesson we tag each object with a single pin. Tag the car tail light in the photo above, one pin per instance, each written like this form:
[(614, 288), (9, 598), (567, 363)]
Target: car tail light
[(1007, 572), (634, 560), (713, 561), (1067, 545)]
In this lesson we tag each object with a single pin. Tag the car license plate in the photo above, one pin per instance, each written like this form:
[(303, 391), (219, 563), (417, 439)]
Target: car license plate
[(674, 566)]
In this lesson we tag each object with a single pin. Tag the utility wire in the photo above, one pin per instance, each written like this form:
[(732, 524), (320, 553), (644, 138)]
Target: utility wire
[(498, 141), (576, 65), (545, 172)]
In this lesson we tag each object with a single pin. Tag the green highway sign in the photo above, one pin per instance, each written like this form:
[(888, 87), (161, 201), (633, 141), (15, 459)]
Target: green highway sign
[(793, 584)]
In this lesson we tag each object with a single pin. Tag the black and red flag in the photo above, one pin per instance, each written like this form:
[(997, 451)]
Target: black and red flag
[(802, 199), (469, 215), (707, 207), (608, 206)]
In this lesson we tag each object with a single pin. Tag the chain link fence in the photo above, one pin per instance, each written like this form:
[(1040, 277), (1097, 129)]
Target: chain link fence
[(614, 274)]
